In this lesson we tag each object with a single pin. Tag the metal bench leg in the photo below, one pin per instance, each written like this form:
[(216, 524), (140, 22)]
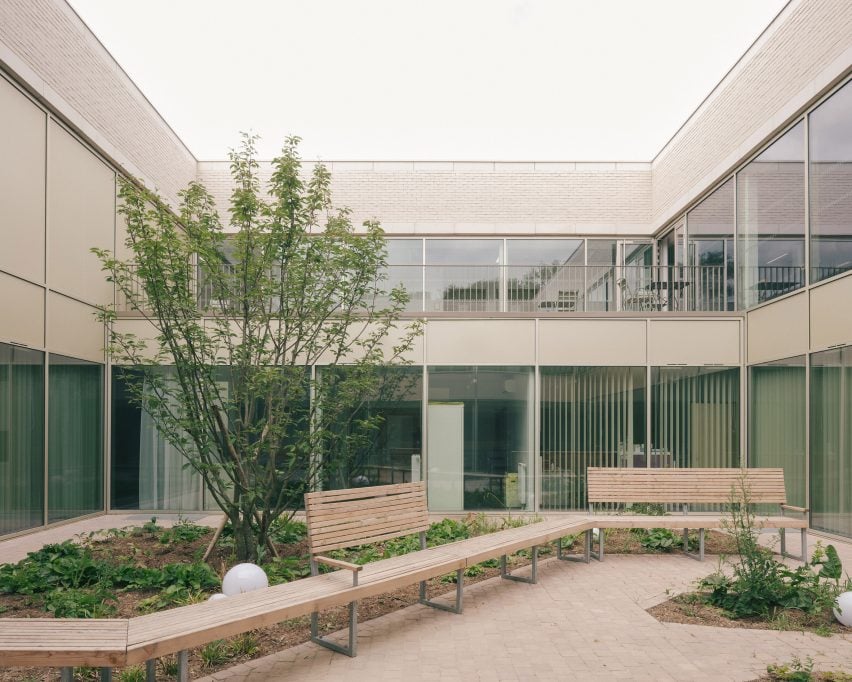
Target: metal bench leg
[(446, 607), (599, 555), (533, 579), (106, 675), (183, 666), (151, 670), (352, 648), (803, 557), (66, 674), (585, 557), (700, 555)]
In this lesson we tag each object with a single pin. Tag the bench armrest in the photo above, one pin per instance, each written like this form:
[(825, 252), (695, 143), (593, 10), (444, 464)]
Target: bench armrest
[(789, 507), (338, 563)]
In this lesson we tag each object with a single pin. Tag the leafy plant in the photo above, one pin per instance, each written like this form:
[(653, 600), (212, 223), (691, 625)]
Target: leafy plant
[(80, 603), (288, 531), (134, 673), (66, 565), (215, 653), (183, 531), (286, 569), (795, 670), (665, 540), (244, 645)]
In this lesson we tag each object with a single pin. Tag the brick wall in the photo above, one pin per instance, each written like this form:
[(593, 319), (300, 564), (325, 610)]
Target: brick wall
[(70, 70), (483, 198), (808, 46)]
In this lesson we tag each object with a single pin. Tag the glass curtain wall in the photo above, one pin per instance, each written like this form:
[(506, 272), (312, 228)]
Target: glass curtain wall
[(590, 416), (709, 269), (600, 274), (830, 150), (75, 438), (695, 417), (545, 275), (390, 453), (405, 268), (463, 275), (771, 221), (480, 438), (777, 422), (21, 438), (831, 441)]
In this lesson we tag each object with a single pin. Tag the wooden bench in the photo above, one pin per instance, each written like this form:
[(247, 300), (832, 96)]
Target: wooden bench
[(336, 519), (690, 486)]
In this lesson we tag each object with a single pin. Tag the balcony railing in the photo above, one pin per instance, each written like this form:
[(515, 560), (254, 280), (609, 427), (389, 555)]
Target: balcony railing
[(568, 288)]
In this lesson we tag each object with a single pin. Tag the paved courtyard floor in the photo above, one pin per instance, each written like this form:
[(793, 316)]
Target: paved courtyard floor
[(584, 622)]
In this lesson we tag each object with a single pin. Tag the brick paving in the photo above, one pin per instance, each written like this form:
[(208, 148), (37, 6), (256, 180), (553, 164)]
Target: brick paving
[(585, 622), (580, 621)]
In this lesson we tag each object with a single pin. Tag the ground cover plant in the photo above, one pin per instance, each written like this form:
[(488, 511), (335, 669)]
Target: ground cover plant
[(753, 588)]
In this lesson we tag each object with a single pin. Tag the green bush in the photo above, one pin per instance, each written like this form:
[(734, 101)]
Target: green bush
[(80, 603), (665, 540), (288, 532), (795, 671), (183, 531), (65, 565)]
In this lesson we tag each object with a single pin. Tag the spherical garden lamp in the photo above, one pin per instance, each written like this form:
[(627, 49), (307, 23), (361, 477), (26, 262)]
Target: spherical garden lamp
[(244, 578), (217, 596), (843, 609)]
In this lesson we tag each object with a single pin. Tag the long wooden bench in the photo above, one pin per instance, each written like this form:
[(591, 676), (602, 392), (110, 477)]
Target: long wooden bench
[(336, 519), (691, 486)]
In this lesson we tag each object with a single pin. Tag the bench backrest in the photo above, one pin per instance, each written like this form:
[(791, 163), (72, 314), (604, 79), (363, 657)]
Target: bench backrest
[(684, 485), (357, 516)]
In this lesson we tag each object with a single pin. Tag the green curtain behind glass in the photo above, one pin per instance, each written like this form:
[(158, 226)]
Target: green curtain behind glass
[(831, 441), (75, 446), (21, 439), (777, 422)]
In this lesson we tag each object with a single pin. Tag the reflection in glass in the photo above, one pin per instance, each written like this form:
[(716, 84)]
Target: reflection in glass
[(590, 416), (405, 268), (463, 275), (695, 417), (75, 445), (545, 274), (771, 221), (385, 454), (480, 438), (600, 274), (831, 441), (21, 438), (830, 148), (710, 252), (777, 415)]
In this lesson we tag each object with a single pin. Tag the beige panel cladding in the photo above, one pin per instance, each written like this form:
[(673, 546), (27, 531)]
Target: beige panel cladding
[(22, 141), (81, 215), (51, 48), (21, 311), (831, 314), (480, 342), (434, 198), (797, 57), (694, 342), (592, 342), (778, 330), (73, 329)]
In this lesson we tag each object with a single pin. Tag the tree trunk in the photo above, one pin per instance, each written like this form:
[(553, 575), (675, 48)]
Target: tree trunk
[(245, 542)]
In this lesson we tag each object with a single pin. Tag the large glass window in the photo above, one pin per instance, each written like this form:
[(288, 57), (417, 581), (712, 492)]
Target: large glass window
[(463, 274), (830, 148), (831, 441), (709, 270), (75, 440), (21, 438), (405, 268), (695, 417), (600, 274), (771, 221), (390, 453), (545, 274), (777, 415), (590, 416), (480, 438)]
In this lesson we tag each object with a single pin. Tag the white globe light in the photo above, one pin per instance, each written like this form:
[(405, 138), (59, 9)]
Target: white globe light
[(244, 578), (843, 610), (217, 596)]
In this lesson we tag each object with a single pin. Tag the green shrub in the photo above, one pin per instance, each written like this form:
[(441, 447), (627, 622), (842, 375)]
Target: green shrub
[(286, 569), (182, 532), (795, 670), (215, 653), (80, 603), (135, 673), (65, 565), (288, 531), (665, 540), (243, 645)]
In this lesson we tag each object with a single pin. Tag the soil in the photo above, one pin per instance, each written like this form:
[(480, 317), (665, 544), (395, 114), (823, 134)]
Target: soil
[(144, 548), (690, 609)]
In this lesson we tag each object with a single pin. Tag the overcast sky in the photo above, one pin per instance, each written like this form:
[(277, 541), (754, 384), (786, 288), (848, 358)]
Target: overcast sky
[(590, 80)]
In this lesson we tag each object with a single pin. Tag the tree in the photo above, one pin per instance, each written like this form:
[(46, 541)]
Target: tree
[(241, 319)]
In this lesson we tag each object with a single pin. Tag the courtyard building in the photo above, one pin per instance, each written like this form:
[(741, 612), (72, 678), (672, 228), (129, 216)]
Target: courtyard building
[(694, 310)]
